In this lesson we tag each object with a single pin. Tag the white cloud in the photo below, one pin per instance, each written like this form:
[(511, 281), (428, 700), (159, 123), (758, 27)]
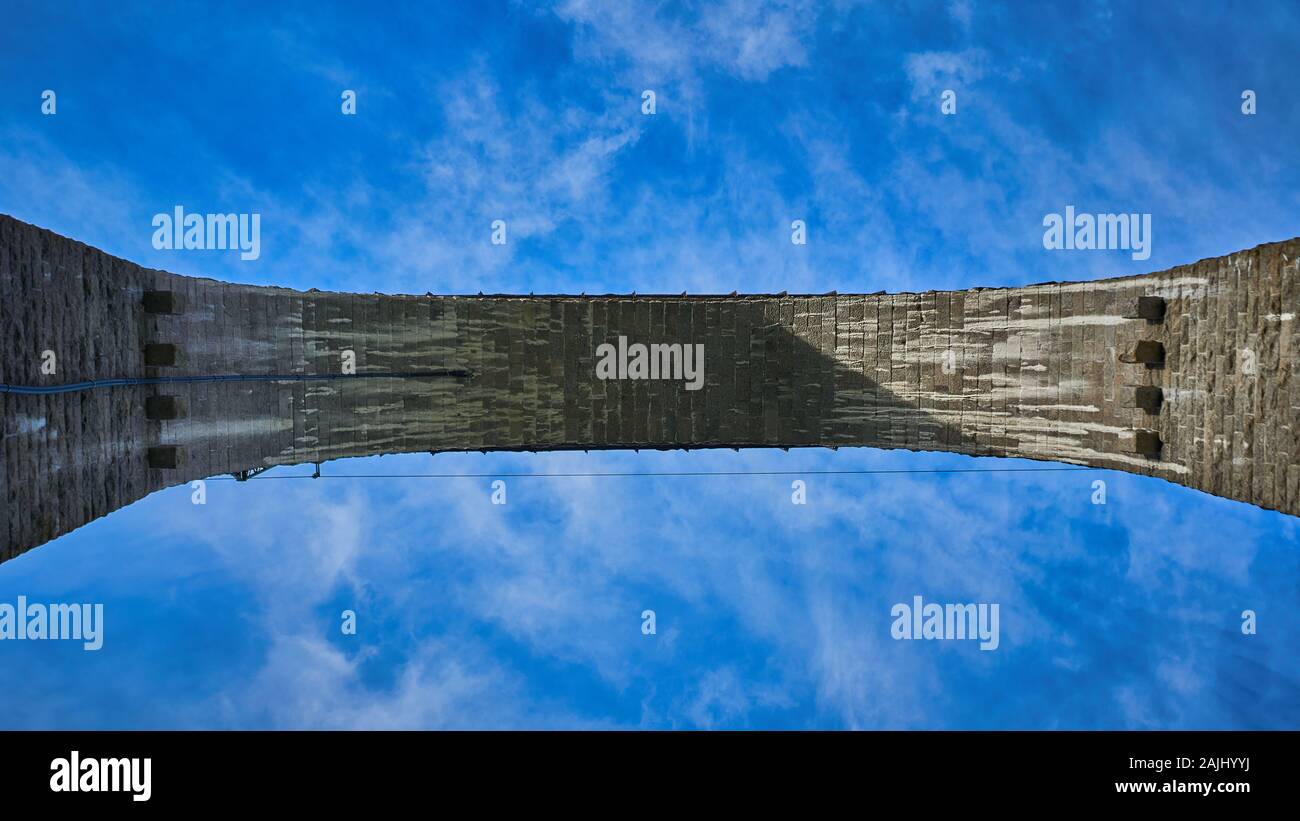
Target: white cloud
[(748, 38), (931, 72)]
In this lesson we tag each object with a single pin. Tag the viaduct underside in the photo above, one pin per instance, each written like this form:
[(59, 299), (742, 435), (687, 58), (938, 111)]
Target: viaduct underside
[(120, 380)]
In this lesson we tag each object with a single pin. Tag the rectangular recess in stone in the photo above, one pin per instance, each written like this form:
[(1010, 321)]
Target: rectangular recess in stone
[(161, 407), (162, 457), (160, 354), (1149, 352), (159, 302), (1149, 398), (1147, 443), (1151, 308)]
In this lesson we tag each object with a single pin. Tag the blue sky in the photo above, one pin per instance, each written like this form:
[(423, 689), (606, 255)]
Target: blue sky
[(769, 614)]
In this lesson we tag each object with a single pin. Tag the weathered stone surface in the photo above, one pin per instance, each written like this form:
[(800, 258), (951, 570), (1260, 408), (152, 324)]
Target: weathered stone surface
[(1038, 372)]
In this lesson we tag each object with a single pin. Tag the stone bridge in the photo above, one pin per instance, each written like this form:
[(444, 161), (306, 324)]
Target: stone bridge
[(119, 380)]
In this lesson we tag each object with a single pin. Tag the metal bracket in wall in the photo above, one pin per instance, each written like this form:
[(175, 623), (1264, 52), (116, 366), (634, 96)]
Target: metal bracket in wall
[(245, 475)]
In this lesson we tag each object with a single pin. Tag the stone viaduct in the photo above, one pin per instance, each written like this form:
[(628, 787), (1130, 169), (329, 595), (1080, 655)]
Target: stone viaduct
[(1189, 375)]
